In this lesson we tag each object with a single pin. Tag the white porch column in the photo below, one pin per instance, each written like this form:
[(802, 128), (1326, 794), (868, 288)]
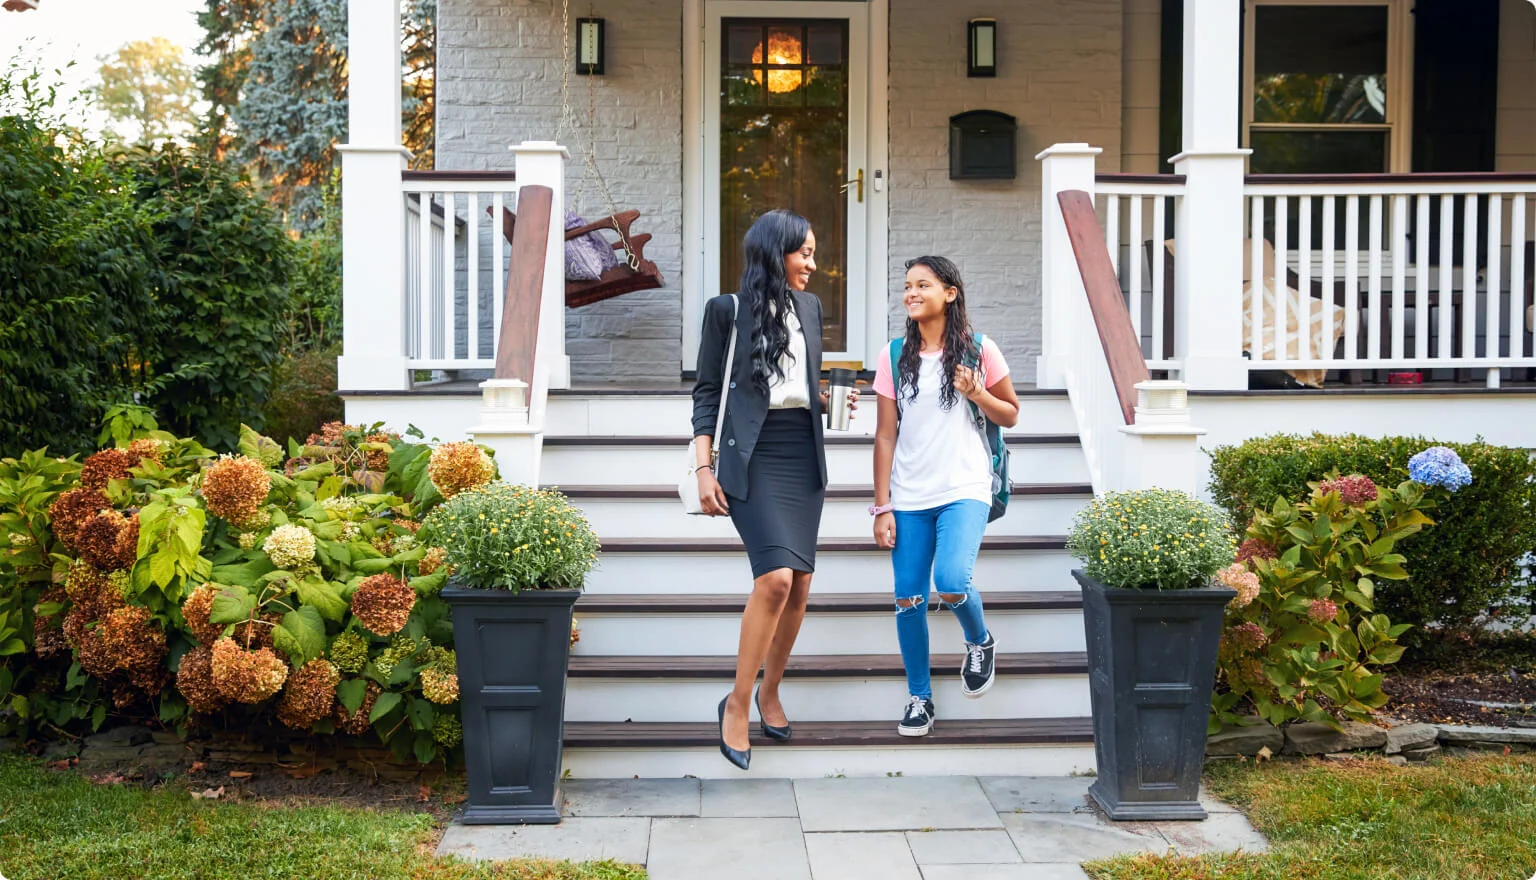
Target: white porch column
[(1162, 449), (1208, 280), (543, 163), (373, 212), (1062, 167)]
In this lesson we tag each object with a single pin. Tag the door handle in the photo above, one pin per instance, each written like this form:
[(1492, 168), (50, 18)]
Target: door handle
[(858, 184)]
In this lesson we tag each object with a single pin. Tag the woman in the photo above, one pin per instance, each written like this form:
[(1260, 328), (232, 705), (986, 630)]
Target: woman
[(771, 475), (933, 474)]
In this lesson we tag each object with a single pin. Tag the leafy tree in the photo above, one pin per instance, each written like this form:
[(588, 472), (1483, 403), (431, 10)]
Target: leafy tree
[(148, 85)]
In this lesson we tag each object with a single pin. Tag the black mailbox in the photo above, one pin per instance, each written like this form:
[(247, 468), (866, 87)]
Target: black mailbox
[(982, 145)]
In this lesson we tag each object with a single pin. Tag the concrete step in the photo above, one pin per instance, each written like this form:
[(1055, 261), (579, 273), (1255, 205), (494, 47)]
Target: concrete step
[(844, 565), (835, 623), (1059, 746), (654, 511), (828, 687), (635, 459)]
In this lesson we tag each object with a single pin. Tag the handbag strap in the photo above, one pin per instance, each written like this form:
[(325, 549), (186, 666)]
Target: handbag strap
[(725, 382)]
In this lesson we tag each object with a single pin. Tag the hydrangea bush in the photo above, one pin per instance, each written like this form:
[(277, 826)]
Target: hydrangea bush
[(160, 583), (1151, 538), (1303, 639)]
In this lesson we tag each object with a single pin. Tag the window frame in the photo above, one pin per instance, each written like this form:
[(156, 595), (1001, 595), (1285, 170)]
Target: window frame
[(1399, 73)]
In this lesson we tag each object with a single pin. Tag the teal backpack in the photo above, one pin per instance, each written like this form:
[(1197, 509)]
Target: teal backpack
[(992, 433)]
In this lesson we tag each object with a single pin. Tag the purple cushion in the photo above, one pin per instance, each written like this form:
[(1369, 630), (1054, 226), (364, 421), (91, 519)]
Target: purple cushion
[(588, 256)]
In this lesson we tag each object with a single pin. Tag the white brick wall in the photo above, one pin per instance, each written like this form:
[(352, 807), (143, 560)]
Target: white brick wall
[(1515, 138), (499, 83), (1141, 84), (1059, 74)]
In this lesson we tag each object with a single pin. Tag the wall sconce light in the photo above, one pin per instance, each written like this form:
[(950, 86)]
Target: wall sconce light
[(981, 47), (589, 46)]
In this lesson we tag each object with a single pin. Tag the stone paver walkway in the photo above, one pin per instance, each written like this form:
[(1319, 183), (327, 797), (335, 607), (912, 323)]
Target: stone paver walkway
[(896, 828)]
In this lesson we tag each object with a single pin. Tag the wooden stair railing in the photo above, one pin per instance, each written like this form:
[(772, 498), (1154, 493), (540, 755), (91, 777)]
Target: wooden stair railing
[(517, 346), (1122, 350)]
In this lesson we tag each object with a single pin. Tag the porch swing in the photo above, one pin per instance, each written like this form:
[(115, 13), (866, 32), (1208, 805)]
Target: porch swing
[(585, 245)]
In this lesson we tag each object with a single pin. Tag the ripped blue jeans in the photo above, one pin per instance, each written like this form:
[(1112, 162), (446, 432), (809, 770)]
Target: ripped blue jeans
[(936, 548)]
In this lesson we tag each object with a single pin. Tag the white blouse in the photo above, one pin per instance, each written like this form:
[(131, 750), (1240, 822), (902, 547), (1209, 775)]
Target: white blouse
[(791, 392)]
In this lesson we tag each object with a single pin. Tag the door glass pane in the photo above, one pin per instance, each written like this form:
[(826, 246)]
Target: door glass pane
[(784, 144), (1320, 64), (1318, 152)]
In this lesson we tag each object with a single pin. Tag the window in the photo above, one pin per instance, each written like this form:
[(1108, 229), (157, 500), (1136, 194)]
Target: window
[(1326, 86)]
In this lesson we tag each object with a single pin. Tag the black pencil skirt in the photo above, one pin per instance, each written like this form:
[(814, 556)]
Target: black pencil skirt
[(781, 514)]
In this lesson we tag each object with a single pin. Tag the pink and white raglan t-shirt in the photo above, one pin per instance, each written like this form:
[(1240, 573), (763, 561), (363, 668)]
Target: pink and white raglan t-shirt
[(940, 457)]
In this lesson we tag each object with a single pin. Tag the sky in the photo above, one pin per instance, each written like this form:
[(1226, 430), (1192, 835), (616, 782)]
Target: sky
[(60, 31)]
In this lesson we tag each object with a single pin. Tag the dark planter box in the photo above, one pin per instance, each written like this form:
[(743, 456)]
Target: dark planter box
[(1151, 666), (513, 650)]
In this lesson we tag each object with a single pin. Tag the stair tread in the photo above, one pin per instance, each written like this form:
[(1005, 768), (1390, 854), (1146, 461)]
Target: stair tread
[(671, 734), (659, 492), (732, 603), (864, 544), (814, 665), (680, 441)]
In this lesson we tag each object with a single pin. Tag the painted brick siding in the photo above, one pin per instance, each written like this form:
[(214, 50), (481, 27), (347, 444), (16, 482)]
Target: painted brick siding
[(1515, 137), (1059, 73), (499, 71), (1141, 86)]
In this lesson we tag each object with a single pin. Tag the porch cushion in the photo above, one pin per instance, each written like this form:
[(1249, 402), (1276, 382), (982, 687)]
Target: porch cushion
[(588, 256), (1293, 305)]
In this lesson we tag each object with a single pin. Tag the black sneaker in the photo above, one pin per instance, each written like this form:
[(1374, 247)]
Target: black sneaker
[(918, 719), (979, 667)]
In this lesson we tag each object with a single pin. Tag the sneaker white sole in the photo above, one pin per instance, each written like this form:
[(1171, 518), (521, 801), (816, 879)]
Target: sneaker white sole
[(913, 731), (979, 691)]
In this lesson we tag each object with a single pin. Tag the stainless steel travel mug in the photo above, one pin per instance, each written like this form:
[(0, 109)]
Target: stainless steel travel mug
[(840, 385)]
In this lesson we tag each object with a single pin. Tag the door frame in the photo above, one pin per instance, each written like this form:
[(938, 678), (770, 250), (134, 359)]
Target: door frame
[(698, 262)]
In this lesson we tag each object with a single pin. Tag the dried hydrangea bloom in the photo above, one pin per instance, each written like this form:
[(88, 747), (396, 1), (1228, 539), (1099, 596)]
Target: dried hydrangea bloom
[(383, 603), (196, 610), (349, 651), (290, 546), (194, 679), (96, 539), (91, 591), (309, 694), (253, 634), (71, 509), (1255, 548), (126, 549), (105, 466), (235, 488), (1322, 610), (356, 723), (91, 649), (1353, 489), (378, 459), (457, 466), (248, 540), (447, 731), (48, 638), (1239, 578), (145, 448), (432, 561), (440, 686), (134, 640), (330, 434), (1246, 638), (247, 676)]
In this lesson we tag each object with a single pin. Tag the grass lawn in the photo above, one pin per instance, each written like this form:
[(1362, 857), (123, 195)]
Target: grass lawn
[(1453, 819), (60, 826)]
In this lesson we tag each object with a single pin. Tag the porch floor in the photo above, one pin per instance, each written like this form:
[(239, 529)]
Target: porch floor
[(891, 828)]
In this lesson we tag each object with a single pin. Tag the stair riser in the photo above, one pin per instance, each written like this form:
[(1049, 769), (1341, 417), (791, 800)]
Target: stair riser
[(663, 415), (846, 465), (836, 572), (825, 699), (717, 634), (788, 762), (840, 517)]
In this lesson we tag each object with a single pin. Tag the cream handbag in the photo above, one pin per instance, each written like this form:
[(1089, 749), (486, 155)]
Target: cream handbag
[(688, 486)]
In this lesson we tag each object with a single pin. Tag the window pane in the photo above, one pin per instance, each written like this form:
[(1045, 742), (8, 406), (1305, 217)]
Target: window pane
[(826, 43), (1323, 64), (1318, 152), (741, 41)]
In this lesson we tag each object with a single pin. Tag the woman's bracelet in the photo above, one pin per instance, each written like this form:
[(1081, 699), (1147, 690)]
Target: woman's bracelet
[(701, 467)]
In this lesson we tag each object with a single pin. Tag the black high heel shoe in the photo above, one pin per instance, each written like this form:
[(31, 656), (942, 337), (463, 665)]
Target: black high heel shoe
[(742, 758), (778, 734)]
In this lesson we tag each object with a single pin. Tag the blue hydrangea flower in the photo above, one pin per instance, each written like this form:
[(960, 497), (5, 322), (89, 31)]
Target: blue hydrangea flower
[(1439, 466)]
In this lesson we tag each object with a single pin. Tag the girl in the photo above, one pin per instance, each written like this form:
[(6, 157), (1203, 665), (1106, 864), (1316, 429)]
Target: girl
[(771, 476), (933, 474)]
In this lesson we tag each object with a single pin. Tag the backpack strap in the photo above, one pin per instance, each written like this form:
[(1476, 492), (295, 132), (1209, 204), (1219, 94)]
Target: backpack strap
[(894, 350)]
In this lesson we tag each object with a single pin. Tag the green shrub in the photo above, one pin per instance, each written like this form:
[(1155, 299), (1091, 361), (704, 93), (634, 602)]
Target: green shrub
[(1151, 538), (303, 395), (1302, 640), (1464, 569), (513, 538)]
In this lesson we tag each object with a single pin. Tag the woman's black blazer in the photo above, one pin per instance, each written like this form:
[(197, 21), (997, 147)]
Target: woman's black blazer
[(747, 405)]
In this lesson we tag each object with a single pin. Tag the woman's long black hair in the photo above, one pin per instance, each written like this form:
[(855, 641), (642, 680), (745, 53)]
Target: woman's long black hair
[(765, 289), (959, 340)]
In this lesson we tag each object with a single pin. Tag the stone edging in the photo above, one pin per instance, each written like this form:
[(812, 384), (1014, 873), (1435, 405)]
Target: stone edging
[(1412, 741)]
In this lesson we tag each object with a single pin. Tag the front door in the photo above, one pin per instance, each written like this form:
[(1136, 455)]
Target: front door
[(785, 116)]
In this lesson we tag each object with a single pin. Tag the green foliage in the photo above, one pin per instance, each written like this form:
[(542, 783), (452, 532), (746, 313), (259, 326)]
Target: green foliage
[(1468, 568), (514, 538), (303, 395), (1152, 538), (149, 85), (1309, 645)]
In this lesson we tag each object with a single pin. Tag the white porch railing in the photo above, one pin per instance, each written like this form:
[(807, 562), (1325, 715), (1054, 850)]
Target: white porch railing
[(456, 261), (1430, 271), (1138, 213)]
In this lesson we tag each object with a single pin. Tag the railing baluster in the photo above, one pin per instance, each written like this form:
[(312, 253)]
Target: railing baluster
[(1469, 279), (1112, 231), (498, 268), (1133, 288), (1494, 284), (1159, 255), (1351, 277), (1304, 276), (1328, 273), (1256, 280), (1373, 282), (427, 296), (1517, 270), (1399, 274), (473, 206), (1421, 277), (450, 308), (1446, 344), (1281, 280)]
